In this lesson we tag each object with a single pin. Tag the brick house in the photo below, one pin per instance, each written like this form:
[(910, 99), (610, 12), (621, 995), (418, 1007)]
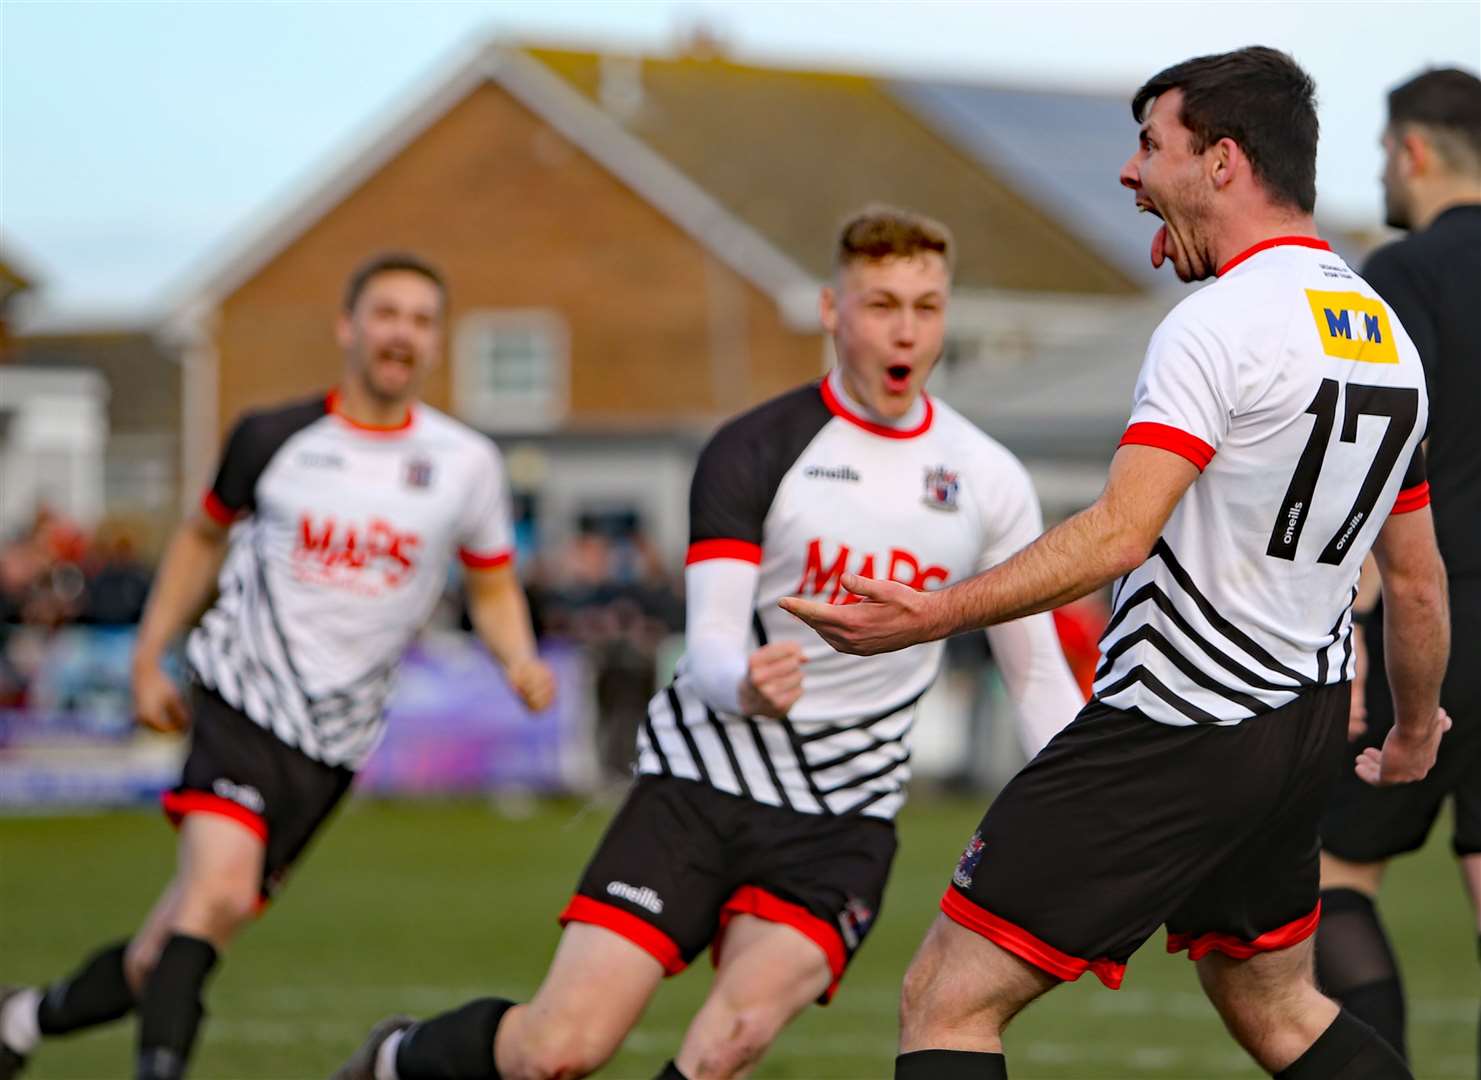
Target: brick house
[(634, 247)]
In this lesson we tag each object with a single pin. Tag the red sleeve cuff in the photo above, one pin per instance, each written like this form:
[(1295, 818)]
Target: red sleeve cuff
[(701, 550), (217, 510), (1174, 439), (476, 561), (1414, 498)]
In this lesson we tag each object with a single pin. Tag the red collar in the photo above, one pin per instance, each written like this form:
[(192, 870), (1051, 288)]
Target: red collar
[(1274, 241), (331, 406), (842, 411)]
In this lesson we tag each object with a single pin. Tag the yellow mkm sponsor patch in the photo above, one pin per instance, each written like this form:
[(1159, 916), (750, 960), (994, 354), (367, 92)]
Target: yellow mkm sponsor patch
[(1353, 327)]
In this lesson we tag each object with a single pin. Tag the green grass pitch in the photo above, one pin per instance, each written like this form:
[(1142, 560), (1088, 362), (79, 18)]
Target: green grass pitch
[(419, 906)]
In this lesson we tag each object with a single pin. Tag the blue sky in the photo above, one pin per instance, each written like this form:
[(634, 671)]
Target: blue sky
[(139, 141)]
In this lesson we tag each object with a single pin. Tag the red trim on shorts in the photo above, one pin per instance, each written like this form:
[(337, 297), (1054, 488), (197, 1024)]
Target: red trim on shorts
[(1025, 946), (475, 561), (217, 510), (842, 411), (1282, 937), (1412, 499), (751, 900), (1166, 437), (177, 804), (1274, 241), (331, 406), (646, 936), (703, 550)]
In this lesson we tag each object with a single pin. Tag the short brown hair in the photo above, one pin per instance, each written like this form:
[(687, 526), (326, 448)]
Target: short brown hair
[(888, 232), (1446, 102), (389, 262), (1260, 98)]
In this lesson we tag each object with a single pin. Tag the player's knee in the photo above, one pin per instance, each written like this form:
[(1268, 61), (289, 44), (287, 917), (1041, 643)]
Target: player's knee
[(565, 1050), (737, 1044), (138, 963), (919, 992), (217, 910)]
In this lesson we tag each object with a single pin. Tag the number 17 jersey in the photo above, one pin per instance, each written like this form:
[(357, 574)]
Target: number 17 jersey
[(1293, 388)]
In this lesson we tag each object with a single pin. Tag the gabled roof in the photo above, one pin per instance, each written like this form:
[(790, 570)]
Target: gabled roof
[(13, 279), (791, 153), (759, 165), (1060, 149)]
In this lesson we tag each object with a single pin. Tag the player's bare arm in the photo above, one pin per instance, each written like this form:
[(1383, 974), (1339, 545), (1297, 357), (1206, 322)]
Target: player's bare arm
[(1416, 635), (496, 604), (186, 579), (1076, 557)]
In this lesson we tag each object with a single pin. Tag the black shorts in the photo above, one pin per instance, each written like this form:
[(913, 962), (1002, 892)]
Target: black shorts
[(242, 771), (681, 859), (1122, 824), (1368, 824)]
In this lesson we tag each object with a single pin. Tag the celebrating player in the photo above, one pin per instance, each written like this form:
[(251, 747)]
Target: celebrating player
[(770, 771), (1275, 417), (343, 513), (1432, 186)]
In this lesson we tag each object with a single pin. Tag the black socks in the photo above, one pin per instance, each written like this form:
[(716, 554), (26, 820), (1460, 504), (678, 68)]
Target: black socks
[(170, 1011), (1355, 964), (1348, 1050), (95, 993), (950, 1065), (457, 1045), (671, 1072)]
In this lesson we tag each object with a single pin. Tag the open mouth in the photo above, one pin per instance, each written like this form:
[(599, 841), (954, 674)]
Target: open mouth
[(897, 378), (397, 356)]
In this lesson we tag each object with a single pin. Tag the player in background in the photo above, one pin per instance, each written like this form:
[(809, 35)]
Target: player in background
[(1431, 279), (769, 773), (1274, 438), (331, 525)]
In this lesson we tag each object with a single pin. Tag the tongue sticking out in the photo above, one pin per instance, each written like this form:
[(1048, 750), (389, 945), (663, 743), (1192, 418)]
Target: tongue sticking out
[(1159, 247)]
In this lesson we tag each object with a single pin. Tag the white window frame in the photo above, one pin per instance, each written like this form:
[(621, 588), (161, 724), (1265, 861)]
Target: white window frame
[(473, 400)]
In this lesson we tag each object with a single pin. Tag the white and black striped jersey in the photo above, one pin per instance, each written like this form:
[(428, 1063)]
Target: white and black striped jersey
[(1294, 389), (796, 493), (341, 541)]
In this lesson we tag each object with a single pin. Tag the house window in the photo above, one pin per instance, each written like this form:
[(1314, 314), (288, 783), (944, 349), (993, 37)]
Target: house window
[(510, 369)]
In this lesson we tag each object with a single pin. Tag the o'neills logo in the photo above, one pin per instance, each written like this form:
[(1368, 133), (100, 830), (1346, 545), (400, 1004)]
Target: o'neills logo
[(832, 472), (644, 897)]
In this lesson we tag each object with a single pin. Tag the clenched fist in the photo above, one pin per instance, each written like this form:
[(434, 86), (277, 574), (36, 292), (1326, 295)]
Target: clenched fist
[(773, 681), (157, 701), (533, 682)]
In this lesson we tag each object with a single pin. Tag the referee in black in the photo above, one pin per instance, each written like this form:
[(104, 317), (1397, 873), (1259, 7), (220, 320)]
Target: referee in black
[(1432, 279)]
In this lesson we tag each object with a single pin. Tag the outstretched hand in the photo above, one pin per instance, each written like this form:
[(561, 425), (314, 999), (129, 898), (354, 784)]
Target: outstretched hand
[(888, 616)]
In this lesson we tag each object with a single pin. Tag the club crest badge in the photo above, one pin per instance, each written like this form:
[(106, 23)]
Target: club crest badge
[(967, 865), (942, 487), (419, 473), (854, 921)]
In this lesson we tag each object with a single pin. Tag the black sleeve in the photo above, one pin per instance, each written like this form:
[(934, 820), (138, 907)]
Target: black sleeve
[(1414, 475), (251, 444), (743, 464), (1387, 270)]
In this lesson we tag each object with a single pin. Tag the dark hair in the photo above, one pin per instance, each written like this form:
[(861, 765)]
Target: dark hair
[(387, 263), (1260, 98), (1447, 101), (883, 232)]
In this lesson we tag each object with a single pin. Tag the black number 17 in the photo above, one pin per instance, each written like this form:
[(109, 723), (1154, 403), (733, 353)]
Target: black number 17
[(1400, 405)]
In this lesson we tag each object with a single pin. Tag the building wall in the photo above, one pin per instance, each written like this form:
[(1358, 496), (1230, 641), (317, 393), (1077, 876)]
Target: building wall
[(520, 219)]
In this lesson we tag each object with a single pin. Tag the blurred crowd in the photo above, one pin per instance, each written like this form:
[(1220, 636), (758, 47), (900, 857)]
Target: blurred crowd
[(70, 598), (55, 574)]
